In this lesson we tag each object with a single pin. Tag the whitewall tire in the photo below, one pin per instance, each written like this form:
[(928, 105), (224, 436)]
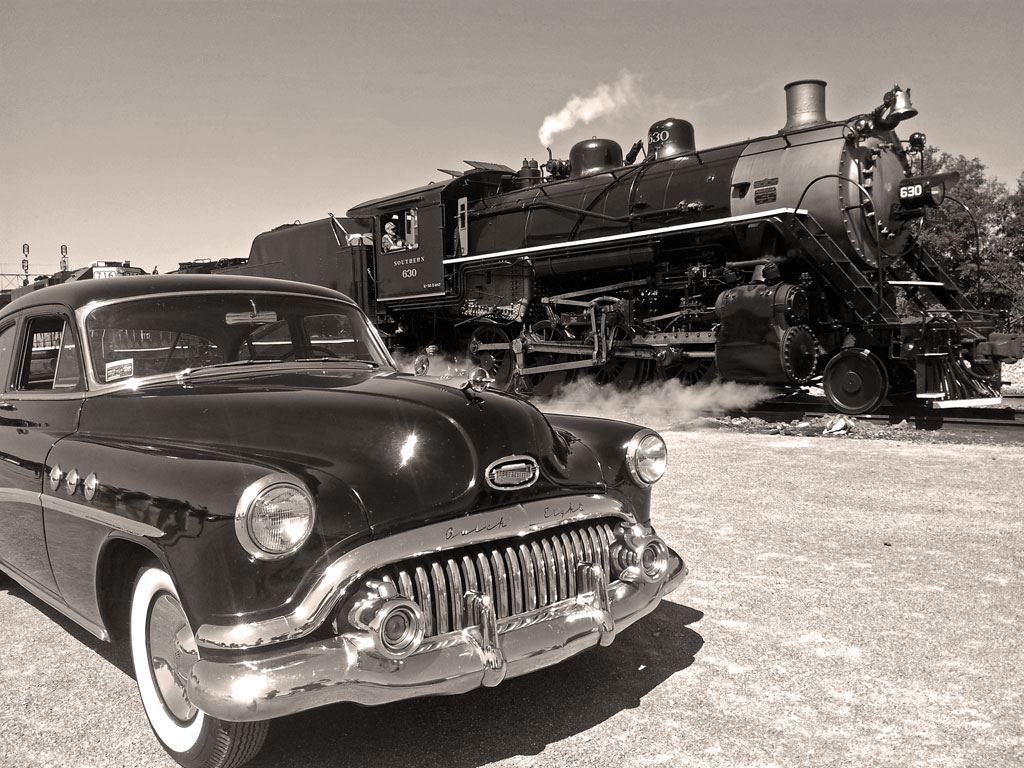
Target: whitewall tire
[(163, 649)]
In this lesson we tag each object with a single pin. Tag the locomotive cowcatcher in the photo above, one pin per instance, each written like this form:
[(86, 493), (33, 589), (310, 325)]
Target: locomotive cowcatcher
[(785, 260)]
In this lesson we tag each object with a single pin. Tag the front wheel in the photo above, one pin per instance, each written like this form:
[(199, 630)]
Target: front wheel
[(855, 381), (163, 651)]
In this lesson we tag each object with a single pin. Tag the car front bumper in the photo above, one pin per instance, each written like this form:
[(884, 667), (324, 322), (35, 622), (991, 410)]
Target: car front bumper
[(273, 684)]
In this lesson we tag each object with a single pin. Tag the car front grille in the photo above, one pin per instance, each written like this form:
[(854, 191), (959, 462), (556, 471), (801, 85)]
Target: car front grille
[(520, 574)]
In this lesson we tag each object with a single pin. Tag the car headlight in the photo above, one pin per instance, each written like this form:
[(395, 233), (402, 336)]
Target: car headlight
[(274, 517), (646, 457)]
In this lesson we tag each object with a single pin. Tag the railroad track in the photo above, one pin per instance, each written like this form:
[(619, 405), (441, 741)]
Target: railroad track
[(1007, 418)]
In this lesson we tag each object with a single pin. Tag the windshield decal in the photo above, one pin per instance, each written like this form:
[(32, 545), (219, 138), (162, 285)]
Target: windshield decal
[(119, 369)]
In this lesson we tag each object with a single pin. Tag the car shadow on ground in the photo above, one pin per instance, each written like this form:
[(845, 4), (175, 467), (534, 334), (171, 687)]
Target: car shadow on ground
[(519, 717), (116, 654)]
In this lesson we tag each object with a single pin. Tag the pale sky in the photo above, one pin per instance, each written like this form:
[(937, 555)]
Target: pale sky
[(167, 131)]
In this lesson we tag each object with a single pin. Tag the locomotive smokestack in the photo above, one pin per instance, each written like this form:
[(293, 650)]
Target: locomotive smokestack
[(805, 104)]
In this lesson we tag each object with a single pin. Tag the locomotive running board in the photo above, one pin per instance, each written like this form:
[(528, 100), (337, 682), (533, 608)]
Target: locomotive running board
[(969, 403), (629, 235)]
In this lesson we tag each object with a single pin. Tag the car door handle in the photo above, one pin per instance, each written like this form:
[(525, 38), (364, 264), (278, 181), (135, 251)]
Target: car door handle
[(5, 406)]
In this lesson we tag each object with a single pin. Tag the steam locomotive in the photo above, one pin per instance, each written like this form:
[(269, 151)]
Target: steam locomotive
[(784, 260)]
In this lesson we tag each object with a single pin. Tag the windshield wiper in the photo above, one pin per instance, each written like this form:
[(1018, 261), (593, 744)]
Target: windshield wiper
[(188, 372), (345, 360)]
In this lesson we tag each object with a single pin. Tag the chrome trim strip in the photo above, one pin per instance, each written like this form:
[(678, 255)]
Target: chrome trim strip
[(311, 609), (99, 516), (58, 605), (627, 235), (19, 496)]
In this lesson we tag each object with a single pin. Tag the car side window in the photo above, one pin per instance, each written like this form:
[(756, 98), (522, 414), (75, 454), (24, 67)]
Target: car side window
[(50, 360), (6, 352)]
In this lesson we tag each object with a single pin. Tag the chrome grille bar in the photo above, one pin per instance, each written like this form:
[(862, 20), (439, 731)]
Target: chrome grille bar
[(518, 576)]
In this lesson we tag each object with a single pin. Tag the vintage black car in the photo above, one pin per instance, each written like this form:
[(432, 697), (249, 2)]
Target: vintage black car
[(232, 474)]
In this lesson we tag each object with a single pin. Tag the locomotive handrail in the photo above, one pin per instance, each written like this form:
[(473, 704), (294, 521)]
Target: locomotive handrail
[(642, 233)]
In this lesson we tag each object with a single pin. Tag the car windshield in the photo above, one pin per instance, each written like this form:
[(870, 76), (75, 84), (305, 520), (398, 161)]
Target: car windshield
[(168, 334)]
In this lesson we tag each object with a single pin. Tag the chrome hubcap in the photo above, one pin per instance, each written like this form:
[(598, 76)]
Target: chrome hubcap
[(172, 652)]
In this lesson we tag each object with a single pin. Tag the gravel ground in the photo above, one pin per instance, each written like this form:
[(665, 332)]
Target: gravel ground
[(1015, 375), (851, 602)]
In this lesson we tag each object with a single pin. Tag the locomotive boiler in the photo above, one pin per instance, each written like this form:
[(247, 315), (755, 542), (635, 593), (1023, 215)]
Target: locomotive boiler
[(786, 260)]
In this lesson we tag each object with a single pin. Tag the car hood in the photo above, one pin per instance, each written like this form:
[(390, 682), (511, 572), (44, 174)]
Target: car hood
[(409, 450)]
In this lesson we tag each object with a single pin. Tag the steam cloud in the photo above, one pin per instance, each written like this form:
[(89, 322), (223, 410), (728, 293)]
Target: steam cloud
[(658, 404), (605, 99)]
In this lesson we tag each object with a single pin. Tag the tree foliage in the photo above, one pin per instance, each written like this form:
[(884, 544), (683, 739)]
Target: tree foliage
[(993, 275)]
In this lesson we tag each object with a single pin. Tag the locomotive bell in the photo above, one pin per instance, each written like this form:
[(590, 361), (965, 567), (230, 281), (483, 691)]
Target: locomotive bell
[(902, 109), (594, 156), (805, 104), (670, 137)]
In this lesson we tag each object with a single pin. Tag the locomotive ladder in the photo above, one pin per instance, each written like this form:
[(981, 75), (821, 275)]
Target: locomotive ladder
[(831, 265), (937, 280)]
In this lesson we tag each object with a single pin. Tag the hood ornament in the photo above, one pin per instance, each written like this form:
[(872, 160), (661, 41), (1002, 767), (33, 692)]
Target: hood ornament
[(478, 380)]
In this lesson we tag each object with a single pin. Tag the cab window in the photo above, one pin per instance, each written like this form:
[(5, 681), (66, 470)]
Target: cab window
[(400, 231), (50, 360)]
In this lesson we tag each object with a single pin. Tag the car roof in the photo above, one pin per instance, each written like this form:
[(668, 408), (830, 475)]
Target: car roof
[(82, 292)]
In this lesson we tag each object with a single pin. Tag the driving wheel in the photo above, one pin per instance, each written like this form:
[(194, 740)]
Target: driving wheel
[(164, 651), (619, 372), (546, 384), (855, 381), (499, 363), (690, 371)]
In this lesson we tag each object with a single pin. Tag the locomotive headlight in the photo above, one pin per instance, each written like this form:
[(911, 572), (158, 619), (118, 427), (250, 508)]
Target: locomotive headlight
[(274, 517), (925, 191), (646, 457)]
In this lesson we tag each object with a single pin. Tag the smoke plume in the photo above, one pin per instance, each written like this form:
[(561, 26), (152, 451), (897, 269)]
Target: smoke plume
[(605, 99), (658, 404)]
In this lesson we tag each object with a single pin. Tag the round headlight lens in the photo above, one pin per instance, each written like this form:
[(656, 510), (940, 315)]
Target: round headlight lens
[(276, 520), (647, 457)]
